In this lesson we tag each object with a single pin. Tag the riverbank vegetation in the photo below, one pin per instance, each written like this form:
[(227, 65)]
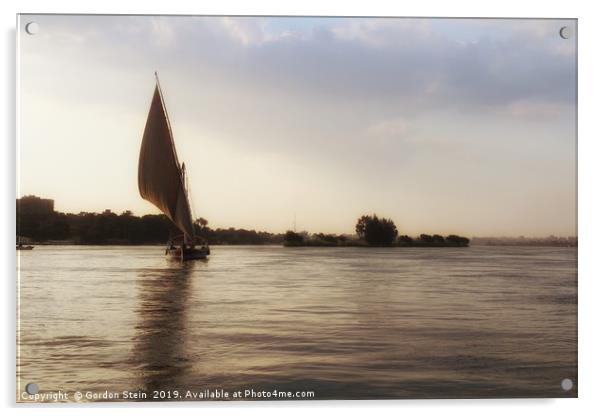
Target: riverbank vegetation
[(125, 228), (52, 227), (372, 231)]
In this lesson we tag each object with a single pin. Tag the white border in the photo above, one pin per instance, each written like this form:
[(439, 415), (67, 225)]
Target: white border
[(590, 200)]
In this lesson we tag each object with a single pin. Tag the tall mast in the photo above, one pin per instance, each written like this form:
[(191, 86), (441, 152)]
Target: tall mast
[(161, 180), (185, 187), (181, 167), (173, 145)]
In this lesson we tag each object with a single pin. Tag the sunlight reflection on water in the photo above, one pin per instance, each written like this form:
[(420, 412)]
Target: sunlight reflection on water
[(345, 322)]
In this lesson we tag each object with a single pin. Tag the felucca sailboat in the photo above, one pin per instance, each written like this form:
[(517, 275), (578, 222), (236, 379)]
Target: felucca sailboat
[(162, 180)]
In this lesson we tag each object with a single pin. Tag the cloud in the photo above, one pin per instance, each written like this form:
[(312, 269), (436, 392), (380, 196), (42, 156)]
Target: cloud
[(162, 32), (536, 110), (415, 105), (386, 32), (394, 128), (330, 83), (410, 63), (246, 31)]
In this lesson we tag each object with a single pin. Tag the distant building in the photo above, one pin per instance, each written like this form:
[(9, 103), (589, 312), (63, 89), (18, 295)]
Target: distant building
[(31, 204)]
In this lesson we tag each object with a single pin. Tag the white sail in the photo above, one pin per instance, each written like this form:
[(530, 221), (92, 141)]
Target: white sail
[(160, 178)]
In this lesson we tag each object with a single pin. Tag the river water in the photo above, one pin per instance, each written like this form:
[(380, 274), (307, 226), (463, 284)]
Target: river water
[(342, 323)]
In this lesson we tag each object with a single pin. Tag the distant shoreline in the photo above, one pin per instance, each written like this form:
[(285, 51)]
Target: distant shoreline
[(500, 244), (362, 244), (39, 224)]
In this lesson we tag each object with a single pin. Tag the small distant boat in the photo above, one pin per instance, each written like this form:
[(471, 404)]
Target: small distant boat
[(162, 180), (22, 247)]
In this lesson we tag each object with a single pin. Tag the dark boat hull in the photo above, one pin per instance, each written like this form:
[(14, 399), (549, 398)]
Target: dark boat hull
[(189, 253)]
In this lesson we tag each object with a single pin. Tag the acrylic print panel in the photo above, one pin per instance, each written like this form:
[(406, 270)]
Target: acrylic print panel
[(295, 208)]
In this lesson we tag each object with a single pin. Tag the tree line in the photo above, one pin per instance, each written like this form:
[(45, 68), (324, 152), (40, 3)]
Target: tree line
[(376, 232), (125, 228)]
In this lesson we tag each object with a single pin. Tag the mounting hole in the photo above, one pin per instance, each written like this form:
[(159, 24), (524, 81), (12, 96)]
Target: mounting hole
[(565, 32), (32, 28), (32, 388), (566, 384)]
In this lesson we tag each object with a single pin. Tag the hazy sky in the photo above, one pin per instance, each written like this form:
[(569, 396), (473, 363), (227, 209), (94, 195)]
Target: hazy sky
[(445, 126)]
